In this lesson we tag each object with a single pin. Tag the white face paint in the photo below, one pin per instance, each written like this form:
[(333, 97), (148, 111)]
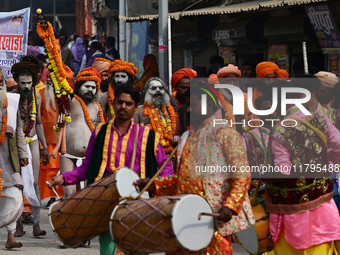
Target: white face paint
[(121, 77), (156, 95), (88, 90), (25, 82)]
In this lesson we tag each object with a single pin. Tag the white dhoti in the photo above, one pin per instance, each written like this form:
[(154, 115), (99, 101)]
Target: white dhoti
[(28, 179), (11, 207)]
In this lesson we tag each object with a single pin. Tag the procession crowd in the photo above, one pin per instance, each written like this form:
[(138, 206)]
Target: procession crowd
[(120, 120)]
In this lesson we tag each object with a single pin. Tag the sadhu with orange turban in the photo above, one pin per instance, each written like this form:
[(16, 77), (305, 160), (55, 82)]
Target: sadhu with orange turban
[(102, 66), (180, 81), (88, 74)]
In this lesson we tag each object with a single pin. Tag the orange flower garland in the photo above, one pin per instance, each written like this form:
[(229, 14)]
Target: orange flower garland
[(119, 65), (89, 76), (4, 124), (166, 128), (87, 114), (111, 99), (57, 71)]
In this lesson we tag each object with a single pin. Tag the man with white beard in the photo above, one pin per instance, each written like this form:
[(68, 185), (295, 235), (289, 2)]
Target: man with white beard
[(48, 111), (11, 158), (158, 111)]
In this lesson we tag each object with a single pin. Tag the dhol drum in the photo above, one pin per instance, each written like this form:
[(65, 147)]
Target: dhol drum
[(86, 214), (162, 224), (257, 239)]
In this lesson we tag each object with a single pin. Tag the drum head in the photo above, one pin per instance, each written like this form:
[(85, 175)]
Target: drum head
[(125, 177), (248, 239), (192, 234)]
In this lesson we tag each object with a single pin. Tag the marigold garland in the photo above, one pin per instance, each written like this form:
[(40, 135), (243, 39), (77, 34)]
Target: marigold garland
[(89, 76), (1, 183), (58, 74), (4, 124), (33, 118), (166, 128), (111, 99), (119, 65), (87, 114)]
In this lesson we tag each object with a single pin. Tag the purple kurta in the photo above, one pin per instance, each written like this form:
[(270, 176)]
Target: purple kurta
[(81, 173)]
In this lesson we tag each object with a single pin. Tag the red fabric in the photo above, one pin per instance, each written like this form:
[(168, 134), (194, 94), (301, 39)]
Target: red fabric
[(184, 72), (265, 68)]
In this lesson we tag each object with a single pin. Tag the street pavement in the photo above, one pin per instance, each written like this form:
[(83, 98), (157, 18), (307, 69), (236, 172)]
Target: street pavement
[(48, 245)]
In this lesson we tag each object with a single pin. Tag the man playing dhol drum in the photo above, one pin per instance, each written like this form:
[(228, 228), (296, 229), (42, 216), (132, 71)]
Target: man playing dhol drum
[(204, 145), (113, 145)]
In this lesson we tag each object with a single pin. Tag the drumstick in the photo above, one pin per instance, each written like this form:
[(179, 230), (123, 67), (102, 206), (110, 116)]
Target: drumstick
[(158, 172), (208, 214), (48, 185)]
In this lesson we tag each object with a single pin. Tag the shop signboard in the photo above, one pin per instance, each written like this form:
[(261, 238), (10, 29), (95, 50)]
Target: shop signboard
[(278, 53), (13, 37), (334, 64), (321, 18)]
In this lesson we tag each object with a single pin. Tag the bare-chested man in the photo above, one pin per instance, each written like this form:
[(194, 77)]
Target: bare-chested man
[(120, 72), (84, 112), (25, 74)]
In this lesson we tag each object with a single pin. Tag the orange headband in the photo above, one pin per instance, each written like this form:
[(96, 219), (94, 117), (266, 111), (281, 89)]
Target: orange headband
[(90, 74), (119, 65)]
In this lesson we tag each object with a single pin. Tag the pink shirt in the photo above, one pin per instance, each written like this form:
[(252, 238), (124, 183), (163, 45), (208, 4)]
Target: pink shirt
[(303, 230), (81, 173)]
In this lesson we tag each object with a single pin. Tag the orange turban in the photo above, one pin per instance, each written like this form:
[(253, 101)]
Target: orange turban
[(101, 64), (230, 69), (327, 79), (90, 74), (265, 68), (119, 65), (184, 72)]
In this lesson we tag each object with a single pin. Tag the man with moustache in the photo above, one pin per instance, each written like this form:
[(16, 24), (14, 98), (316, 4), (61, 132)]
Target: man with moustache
[(13, 154), (121, 72), (159, 111), (133, 146), (49, 119), (180, 82), (25, 74), (102, 66), (85, 112)]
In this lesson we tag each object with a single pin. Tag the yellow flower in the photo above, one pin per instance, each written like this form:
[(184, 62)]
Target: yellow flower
[(155, 119), (163, 143), (159, 129), (55, 128), (152, 111), (67, 118)]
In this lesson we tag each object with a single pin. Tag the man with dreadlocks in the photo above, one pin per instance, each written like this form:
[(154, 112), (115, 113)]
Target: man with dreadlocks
[(121, 72), (158, 111), (85, 112), (25, 74)]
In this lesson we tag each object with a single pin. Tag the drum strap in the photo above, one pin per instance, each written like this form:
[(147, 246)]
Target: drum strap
[(135, 148)]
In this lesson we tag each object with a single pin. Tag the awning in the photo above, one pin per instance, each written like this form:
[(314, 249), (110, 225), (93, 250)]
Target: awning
[(223, 9)]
